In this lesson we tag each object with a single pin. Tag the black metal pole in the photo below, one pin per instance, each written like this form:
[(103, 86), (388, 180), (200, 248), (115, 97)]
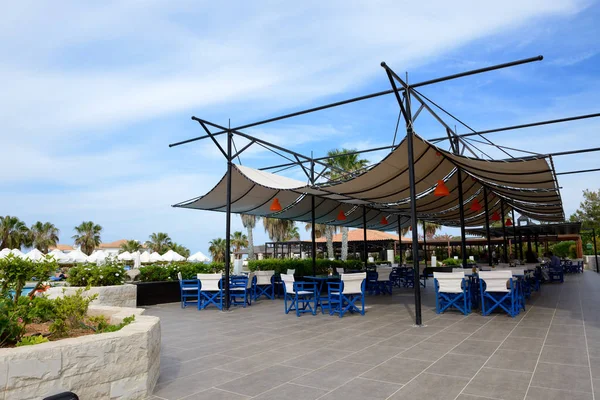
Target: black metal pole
[(400, 241), (463, 238), (503, 230), (365, 252), (487, 227), (313, 234), (228, 221), (425, 244), (595, 250), (514, 224)]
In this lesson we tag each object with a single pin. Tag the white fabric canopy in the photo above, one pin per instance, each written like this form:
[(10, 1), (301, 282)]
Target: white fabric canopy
[(4, 253), (60, 257), (154, 257), (145, 257), (35, 255), (77, 256), (125, 256), (199, 257), (172, 256), (99, 257)]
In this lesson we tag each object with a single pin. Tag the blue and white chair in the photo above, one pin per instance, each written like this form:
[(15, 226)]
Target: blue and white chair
[(451, 291), (344, 295), (521, 286), (241, 290), (498, 290), (265, 285), (384, 281), (339, 271), (190, 291), (302, 295), (211, 290)]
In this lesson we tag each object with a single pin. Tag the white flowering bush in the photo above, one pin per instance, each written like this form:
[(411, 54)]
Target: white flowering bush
[(109, 274)]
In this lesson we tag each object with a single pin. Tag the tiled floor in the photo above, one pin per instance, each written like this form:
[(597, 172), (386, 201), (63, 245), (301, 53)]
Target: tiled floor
[(551, 351)]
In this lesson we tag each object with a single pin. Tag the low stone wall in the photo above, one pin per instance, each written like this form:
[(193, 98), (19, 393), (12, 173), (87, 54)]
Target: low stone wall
[(115, 296), (117, 365)]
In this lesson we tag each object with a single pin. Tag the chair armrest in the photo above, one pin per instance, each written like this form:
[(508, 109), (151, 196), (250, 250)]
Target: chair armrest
[(305, 286), (334, 287)]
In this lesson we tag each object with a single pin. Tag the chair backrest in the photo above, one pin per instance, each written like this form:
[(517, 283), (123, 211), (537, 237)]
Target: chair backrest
[(449, 282), (210, 282), (291, 271), (383, 273), (339, 270), (496, 281), (179, 276), (485, 268), (518, 271), (264, 277), (288, 282), (353, 282), (250, 279), (462, 270)]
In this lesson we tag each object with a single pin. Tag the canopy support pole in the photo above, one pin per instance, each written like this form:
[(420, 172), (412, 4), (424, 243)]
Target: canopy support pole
[(228, 223), (461, 209), (400, 241), (514, 221), (313, 235), (487, 227), (365, 252), (503, 230), (595, 250)]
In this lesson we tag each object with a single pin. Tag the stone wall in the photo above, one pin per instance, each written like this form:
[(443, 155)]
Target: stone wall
[(115, 296), (117, 365)]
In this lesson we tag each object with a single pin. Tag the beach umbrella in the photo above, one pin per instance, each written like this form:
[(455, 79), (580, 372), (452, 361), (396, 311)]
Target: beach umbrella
[(4, 253), (136, 259), (99, 257), (35, 255), (17, 253), (172, 256), (77, 256), (60, 257), (199, 256), (154, 257), (125, 256), (145, 257)]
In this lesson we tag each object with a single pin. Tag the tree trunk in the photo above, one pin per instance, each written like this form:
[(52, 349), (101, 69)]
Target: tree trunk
[(329, 237), (250, 245), (344, 243)]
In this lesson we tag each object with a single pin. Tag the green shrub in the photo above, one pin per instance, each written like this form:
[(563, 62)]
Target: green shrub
[(451, 262), (101, 325), (70, 312), (160, 273), (31, 340), (561, 249), (302, 267), (38, 309), (15, 272), (109, 274), (12, 325)]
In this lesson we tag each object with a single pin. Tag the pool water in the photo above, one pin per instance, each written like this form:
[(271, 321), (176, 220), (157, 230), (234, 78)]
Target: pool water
[(25, 291)]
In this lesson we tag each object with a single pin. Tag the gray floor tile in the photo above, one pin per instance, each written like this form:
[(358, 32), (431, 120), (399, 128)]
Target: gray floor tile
[(374, 355), (186, 386), (499, 384), (216, 394), (333, 375), (397, 370), (292, 391), (492, 333), (521, 331), (595, 366), (554, 376), (564, 355), (577, 330), (452, 338), (427, 351), (538, 393), (359, 389), (261, 381), (562, 340), (431, 387), (464, 328), (476, 348), (256, 363), (513, 360), (402, 341), (458, 365), (532, 345), (180, 370), (317, 359)]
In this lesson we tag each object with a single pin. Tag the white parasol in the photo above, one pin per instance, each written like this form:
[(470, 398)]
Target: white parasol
[(199, 256), (172, 256), (125, 256)]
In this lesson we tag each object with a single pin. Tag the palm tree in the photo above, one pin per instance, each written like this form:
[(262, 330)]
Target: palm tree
[(249, 222), (159, 242), (350, 164), (13, 233), (292, 233), (43, 236), (130, 246), (238, 241), (430, 229), (217, 248), (87, 236), (277, 228), (180, 249), (331, 230)]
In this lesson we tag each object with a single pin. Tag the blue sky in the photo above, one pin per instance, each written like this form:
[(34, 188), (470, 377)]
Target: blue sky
[(93, 94)]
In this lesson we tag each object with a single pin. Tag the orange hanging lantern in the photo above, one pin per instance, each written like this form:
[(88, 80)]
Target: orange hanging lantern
[(437, 153), (441, 189), (508, 222), (496, 216), (384, 220), (275, 206), (475, 206), (341, 216)]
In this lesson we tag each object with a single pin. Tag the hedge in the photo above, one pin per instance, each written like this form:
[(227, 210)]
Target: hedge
[(302, 266), (159, 273)]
